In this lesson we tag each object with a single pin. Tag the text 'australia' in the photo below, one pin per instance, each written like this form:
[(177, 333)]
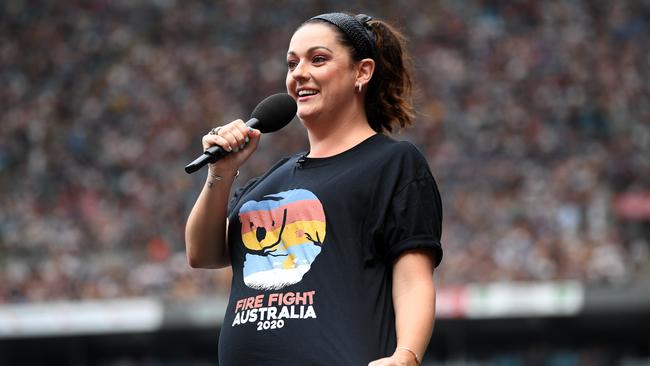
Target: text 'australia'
[(270, 311)]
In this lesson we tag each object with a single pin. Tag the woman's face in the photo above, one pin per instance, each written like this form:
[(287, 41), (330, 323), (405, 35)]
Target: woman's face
[(320, 73)]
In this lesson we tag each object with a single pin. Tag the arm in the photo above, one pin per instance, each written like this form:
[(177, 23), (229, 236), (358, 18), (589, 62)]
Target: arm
[(414, 301), (206, 228)]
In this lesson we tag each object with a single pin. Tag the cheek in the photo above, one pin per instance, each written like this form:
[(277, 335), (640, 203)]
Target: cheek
[(289, 82), (339, 81)]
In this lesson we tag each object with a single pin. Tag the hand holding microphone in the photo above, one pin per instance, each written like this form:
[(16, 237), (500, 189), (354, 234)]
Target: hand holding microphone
[(270, 115), (232, 144)]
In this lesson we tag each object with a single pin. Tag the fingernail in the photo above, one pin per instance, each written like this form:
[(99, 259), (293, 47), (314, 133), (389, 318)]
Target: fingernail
[(236, 149), (247, 139), (250, 129), (229, 149), (241, 147)]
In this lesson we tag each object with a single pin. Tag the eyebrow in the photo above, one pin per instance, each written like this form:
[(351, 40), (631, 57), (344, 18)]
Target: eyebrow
[(311, 49)]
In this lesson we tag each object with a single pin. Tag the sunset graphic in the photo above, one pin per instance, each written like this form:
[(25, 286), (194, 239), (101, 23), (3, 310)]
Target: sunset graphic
[(283, 234)]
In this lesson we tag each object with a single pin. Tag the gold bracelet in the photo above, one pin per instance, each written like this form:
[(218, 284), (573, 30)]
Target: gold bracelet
[(417, 359)]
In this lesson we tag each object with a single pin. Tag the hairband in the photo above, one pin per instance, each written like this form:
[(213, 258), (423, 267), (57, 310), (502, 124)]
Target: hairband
[(356, 28)]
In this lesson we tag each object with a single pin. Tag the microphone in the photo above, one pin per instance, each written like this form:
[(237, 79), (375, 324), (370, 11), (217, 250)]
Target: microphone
[(270, 115), (301, 161)]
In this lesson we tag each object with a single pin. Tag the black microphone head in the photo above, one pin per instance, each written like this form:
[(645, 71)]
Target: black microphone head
[(274, 112)]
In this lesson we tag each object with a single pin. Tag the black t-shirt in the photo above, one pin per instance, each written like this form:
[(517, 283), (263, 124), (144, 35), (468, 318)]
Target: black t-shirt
[(312, 244)]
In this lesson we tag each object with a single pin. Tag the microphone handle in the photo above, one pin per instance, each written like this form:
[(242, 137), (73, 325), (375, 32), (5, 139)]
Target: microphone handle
[(213, 153)]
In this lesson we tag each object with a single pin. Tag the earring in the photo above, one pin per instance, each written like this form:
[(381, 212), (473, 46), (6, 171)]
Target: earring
[(359, 86)]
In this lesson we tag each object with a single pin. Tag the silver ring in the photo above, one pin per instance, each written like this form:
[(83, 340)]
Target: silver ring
[(215, 130)]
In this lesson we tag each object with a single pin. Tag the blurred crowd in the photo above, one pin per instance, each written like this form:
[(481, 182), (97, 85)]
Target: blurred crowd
[(534, 116)]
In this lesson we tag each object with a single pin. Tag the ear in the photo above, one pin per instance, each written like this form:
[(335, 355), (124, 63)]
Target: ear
[(365, 69)]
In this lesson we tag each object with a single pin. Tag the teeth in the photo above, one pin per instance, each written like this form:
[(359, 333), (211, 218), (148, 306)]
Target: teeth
[(307, 92)]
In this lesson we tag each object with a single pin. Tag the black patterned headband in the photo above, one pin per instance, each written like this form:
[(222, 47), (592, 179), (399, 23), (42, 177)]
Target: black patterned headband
[(356, 29)]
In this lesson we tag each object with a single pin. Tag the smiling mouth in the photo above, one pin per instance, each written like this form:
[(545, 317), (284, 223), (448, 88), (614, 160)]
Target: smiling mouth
[(305, 94)]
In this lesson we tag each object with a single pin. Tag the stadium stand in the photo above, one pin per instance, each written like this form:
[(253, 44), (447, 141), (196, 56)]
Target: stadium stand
[(534, 116)]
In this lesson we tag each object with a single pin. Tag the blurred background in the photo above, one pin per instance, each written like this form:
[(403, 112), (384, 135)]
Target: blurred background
[(533, 115)]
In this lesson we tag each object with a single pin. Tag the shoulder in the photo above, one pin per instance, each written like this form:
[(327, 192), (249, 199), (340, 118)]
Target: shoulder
[(255, 181), (403, 155), (401, 148)]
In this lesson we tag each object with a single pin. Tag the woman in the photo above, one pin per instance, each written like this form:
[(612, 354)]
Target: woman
[(332, 250)]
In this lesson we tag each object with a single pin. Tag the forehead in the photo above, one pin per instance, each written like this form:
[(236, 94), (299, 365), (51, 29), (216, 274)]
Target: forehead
[(314, 34)]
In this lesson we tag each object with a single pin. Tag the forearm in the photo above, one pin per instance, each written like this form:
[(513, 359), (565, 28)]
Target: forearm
[(414, 314), (414, 299), (206, 229), (205, 232)]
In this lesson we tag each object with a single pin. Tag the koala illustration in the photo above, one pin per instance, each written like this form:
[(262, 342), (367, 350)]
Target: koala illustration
[(283, 234)]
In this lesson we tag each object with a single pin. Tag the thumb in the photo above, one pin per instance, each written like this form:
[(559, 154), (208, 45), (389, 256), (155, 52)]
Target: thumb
[(254, 136), (377, 362)]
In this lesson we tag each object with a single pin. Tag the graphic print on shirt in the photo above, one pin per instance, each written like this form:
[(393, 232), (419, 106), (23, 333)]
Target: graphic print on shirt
[(283, 234)]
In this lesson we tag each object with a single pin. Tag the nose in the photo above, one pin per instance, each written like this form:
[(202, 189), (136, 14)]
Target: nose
[(300, 72), (260, 233)]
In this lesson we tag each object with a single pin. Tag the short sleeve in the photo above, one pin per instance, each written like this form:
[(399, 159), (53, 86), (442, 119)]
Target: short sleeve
[(414, 220), (239, 192)]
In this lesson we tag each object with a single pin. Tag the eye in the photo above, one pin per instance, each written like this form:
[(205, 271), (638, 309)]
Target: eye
[(318, 59), (291, 64), (260, 233)]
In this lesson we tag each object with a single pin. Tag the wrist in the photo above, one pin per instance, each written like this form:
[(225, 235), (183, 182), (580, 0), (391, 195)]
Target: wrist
[(215, 177), (408, 353)]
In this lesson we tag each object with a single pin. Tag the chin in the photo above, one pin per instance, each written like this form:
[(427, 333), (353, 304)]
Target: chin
[(305, 114)]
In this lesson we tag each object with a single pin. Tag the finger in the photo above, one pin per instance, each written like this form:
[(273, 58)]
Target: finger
[(211, 140), (239, 136), (242, 128), (250, 131), (239, 129), (243, 155), (253, 139), (207, 141), (230, 137), (229, 132)]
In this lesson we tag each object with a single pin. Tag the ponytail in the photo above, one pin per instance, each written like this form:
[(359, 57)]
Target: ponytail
[(388, 102)]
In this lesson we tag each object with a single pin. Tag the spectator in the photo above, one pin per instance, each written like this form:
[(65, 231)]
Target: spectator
[(535, 116)]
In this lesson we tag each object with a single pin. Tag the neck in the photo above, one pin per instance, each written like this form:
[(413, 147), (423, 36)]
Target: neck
[(328, 138)]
